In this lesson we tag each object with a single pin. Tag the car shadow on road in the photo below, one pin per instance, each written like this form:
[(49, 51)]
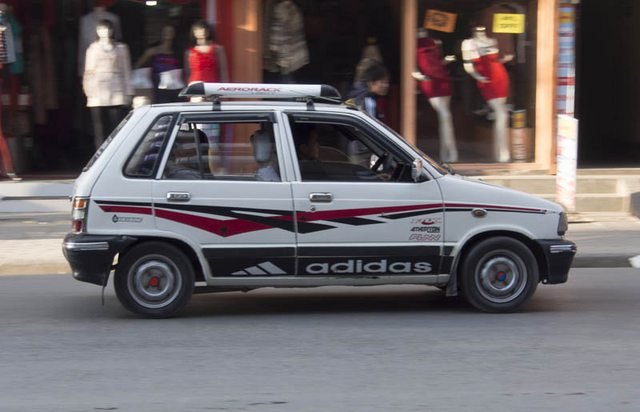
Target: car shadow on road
[(318, 301), (325, 300)]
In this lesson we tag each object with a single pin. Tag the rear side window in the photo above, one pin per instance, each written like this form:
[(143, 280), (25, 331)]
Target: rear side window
[(236, 150), (107, 142), (144, 160)]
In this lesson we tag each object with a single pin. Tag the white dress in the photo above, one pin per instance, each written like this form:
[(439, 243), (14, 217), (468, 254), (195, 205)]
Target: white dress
[(107, 75)]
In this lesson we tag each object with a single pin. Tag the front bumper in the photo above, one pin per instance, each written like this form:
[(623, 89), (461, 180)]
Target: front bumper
[(91, 256), (558, 254)]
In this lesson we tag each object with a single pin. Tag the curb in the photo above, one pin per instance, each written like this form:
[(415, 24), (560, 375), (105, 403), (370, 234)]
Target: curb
[(54, 268), (603, 261)]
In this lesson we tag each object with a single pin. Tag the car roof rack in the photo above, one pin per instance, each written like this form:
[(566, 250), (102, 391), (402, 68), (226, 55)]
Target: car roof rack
[(305, 92)]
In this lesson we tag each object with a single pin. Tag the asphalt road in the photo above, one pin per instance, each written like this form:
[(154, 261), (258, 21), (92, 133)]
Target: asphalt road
[(18, 226), (575, 348)]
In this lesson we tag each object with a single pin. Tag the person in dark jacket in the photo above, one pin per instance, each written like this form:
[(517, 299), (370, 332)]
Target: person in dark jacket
[(374, 84), (364, 95)]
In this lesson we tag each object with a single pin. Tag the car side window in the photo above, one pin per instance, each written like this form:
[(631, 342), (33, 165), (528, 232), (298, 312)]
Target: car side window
[(329, 151), (237, 151), (145, 158)]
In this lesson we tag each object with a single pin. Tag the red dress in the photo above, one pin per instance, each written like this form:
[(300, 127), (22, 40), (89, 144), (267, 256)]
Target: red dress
[(490, 67), (430, 64), (204, 66)]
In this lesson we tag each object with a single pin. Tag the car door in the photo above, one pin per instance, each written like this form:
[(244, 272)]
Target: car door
[(211, 195), (358, 210)]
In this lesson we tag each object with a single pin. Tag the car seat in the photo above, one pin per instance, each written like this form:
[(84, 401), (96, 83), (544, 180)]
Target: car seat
[(186, 155), (263, 150)]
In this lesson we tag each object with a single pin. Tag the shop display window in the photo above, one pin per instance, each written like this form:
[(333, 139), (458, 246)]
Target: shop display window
[(476, 80)]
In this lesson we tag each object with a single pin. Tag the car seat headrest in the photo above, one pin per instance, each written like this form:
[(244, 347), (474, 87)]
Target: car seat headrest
[(262, 146)]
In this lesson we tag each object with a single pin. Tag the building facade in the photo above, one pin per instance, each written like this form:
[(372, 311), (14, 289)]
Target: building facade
[(49, 128)]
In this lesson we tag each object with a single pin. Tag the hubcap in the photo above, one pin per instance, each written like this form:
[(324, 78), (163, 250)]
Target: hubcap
[(501, 277), (154, 282)]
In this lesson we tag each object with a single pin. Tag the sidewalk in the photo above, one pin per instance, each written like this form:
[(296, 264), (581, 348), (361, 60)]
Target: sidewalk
[(604, 241), (36, 195)]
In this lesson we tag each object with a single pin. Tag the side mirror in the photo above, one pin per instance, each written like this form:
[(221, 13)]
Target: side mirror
[(417, 171)]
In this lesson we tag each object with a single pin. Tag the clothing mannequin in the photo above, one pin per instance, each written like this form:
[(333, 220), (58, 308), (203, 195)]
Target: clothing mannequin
[(107, 81), (87, 31), (165, 69), (482, 62), (435, 84), (206, 61)]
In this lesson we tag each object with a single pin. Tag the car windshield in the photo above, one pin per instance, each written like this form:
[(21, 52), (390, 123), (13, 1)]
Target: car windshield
[(429, 160), (106, 143)]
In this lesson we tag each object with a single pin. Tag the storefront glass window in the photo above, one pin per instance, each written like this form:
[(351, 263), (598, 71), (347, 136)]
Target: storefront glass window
[(476, 80), (45, 110)]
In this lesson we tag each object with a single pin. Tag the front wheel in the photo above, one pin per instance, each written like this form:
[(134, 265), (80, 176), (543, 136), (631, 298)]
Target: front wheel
[(499, 275), (154, 279)]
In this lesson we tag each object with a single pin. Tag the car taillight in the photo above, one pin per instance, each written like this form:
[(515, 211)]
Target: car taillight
[(79, 214)]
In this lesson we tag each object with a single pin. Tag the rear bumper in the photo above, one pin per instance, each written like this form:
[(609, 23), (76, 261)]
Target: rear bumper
[(91, 256), (558, 254)]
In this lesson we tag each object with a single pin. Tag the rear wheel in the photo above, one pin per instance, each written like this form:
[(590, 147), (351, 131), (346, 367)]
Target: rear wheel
[(154, 279), (499, 275)]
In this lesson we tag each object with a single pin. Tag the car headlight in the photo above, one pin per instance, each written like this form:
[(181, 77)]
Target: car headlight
[(563, 224)]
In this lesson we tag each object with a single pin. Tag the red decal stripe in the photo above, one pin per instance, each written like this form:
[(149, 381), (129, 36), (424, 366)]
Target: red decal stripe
[(224, 228)]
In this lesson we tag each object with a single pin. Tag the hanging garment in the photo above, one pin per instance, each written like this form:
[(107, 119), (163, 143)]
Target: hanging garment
[(429, 60), (42, 73), (287, 45), (17, 66), (3, 45), (370, 56), (7, 47)]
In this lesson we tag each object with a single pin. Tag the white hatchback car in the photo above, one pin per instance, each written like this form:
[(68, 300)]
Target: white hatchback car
[(300, 192)]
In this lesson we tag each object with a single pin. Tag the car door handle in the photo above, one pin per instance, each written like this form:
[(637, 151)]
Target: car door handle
[(178, 196), (321, 197)]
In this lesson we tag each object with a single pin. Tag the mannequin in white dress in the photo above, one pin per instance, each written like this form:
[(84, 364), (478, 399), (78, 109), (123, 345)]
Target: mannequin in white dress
[(107, 81), (481, 61)]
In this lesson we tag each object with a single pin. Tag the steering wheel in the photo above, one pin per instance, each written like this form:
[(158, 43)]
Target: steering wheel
[(379, 162)]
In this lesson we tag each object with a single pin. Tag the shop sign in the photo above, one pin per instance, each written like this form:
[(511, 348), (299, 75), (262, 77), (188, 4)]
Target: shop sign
[(508, 23), (566, 161), (440, 21)]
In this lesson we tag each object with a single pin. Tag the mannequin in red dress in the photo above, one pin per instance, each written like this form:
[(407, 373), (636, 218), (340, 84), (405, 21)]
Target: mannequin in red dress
[(435, 84), (482, 62), (206, 62)]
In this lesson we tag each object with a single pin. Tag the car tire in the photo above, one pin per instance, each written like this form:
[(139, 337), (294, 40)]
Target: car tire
[(499, 275), (154, 279)]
